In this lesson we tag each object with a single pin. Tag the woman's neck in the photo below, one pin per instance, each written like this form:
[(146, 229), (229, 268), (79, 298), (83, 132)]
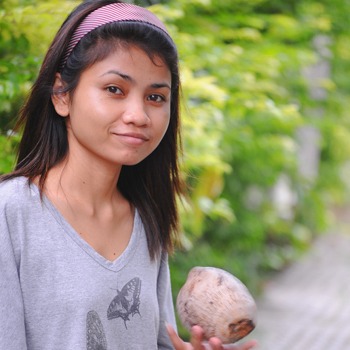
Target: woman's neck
[(91, 186), (90, 202)]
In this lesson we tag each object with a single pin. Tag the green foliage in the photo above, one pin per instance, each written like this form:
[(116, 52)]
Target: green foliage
[(8, 145), (26, 28), (255, 55)]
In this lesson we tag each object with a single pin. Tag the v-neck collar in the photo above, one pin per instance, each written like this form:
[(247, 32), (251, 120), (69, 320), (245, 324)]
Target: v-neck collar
[(115, 265)]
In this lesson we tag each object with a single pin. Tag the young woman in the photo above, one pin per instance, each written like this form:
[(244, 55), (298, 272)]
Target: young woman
[(88, 215)]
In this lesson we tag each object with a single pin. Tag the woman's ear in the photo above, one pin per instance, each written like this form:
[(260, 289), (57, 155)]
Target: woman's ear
[(59, 98)]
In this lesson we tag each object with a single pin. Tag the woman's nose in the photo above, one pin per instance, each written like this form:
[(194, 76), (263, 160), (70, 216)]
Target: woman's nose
[(135, 113)]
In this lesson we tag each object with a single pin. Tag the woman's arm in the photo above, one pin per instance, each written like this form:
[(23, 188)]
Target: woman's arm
[(166, 306), (12, 328)]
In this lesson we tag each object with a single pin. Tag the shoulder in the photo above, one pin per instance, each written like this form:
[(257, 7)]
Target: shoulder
[(14, 191), (12, 186)]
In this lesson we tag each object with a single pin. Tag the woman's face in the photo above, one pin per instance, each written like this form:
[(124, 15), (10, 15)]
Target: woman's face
[(120, 109)]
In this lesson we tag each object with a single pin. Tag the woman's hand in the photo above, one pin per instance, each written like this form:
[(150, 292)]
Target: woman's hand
[(197, 342)]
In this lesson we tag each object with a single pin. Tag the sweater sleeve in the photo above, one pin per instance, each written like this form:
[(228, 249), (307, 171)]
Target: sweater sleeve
[(12, 329), (166, 306)]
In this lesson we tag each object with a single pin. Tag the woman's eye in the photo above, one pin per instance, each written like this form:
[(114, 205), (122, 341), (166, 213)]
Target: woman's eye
[(114, 90), (156, 98)]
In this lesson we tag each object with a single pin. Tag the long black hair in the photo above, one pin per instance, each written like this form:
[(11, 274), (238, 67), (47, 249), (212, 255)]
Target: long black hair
[(152, 185)]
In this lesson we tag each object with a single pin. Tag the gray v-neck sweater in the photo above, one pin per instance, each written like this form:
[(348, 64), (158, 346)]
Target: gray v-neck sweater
[(58, 293)]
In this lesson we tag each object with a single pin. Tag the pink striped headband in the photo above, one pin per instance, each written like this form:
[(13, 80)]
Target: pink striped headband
[(116, 12)]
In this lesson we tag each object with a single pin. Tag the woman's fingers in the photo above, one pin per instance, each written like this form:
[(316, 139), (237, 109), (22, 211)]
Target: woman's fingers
[(215, 344), (178, 343), (197, 338), (198, 344)]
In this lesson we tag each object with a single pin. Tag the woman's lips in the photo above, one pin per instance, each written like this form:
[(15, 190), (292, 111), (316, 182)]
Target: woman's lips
[(132, 138)]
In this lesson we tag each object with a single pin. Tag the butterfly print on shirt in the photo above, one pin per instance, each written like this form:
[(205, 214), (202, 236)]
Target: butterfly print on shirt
[(95, 335), (126, 302)]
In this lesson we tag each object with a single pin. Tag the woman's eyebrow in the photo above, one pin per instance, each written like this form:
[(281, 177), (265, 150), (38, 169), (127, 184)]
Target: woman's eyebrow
[(122, 75), (160, 85), (130, 79)]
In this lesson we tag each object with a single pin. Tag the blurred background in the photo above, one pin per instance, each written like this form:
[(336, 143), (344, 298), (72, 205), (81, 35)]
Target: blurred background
[(265, 117)]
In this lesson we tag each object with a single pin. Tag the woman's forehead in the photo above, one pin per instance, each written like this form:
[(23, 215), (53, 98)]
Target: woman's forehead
[(130, 63), (123, 50)]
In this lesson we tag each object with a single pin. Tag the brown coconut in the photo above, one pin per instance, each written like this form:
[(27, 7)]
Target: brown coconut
[(218, 302)]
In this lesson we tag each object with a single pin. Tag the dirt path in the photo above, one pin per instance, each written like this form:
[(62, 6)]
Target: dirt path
[(307, 307)]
